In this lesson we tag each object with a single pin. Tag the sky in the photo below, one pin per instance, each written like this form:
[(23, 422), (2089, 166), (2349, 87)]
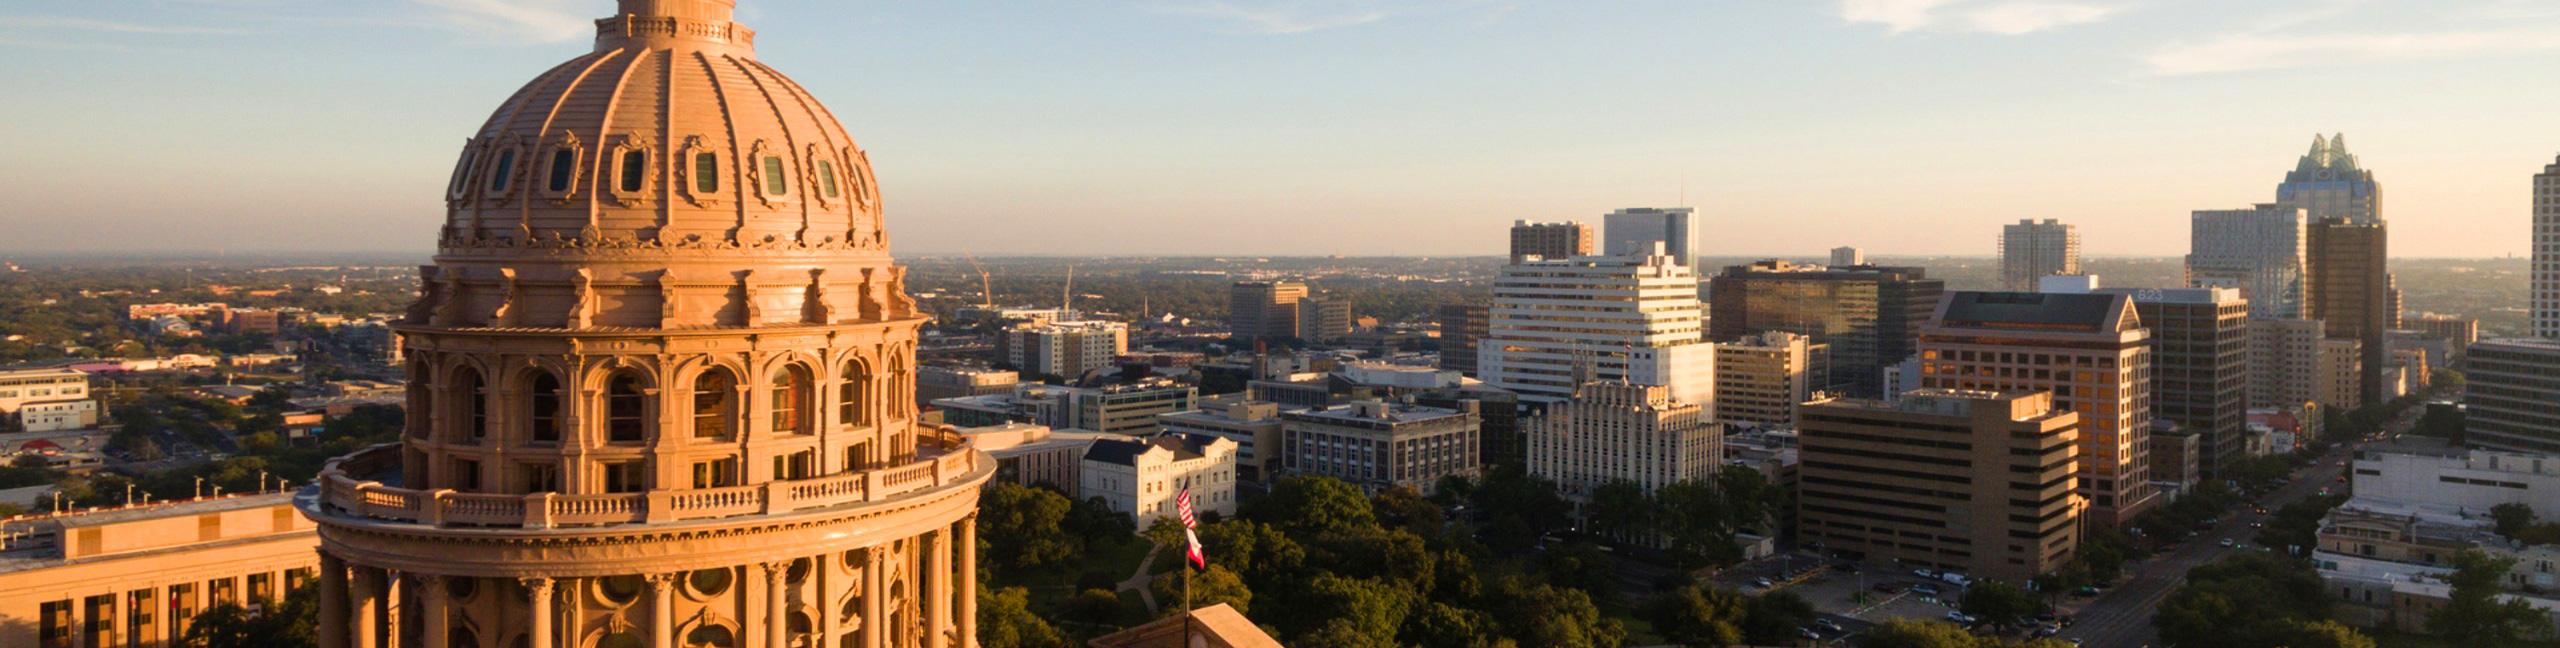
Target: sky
[(1350, 127)]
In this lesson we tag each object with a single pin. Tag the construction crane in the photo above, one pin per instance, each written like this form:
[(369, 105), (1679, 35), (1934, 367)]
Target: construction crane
[(986, 286)]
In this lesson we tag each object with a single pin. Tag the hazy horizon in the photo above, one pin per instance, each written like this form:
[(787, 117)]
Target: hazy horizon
[(1321, 127)]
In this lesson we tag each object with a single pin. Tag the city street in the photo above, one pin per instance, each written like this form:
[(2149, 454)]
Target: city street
[(2121, 617)]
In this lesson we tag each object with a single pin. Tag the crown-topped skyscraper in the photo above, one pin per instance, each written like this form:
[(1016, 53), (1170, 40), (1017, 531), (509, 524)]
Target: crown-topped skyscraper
[(659, 382)]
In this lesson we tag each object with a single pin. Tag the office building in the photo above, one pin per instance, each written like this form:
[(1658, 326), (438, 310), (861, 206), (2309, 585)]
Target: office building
[(1377, 445), (47, 400), (2199, 367), (1123, 408), (135, 577), (1978, 483), (1845, 256), (2458, 332), (2327, 184), (2176, 461), (1253, 425), (2284, 361), (1760, 379), (661, 377), (1613, 431), (1558, 323), (934, 382), (1563, 240), (1462, 327), (1635, 231), (1032, 455), (1868, 317), (2029, 250), (2508, 403), (1066, 349), (2426, 473), (2350, 290), (1264, 309), (2337, 377), (2259, 251), (1324, 320), (2090, 351), (1142, 476), (2546, 252)]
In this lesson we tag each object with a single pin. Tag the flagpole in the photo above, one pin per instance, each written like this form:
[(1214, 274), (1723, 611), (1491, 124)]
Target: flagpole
[(1186, 563)]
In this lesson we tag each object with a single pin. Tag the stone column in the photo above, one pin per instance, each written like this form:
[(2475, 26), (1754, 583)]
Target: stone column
[(662, 610), (539, 590), (363, 631), (875, 589), (432, 617), (777, 633), (391, 603), (333, 602), (937, 594), (968, 581)]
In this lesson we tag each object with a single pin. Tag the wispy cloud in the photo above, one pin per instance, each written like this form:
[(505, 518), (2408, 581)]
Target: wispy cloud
[(1304, 16), (2254, 51), (541, 21), (66, 23), (2009, 17)]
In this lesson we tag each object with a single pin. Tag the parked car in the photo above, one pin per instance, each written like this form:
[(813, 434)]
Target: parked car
[(1764, 583), (1925, 588), (1958, 579), (1959, 618), (1827, 624), (2226, 543), (2085, 590), (1887, 588), (1924, 573)]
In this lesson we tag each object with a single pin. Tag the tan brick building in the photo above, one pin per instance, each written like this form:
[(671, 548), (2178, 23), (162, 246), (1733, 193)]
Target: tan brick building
[(134, 577), (1976, 482), (2090, 351)]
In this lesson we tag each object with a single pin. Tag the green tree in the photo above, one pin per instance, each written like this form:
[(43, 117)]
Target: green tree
[(1005, 620), (2325, 634), (1695, 616), (1374, 608), (1209, 587), (1440, 625), (2248, 600), (1773, 619), (2478, 613), (2000, 603), (1314, 504), (1095, 606), (1404, 508), (1259, 552), (1583, 566), (1908, 633), (289, 624), (2512, 518), (1026, 527), (1341, 633), (1546, 615), (1518, 508), (1620, 509)]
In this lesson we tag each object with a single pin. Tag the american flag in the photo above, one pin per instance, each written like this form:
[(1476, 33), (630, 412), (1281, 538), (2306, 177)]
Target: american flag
[(1182, 504)]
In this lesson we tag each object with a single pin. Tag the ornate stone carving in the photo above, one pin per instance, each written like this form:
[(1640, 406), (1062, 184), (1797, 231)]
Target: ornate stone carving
[(582, 312), (813, 301), (505, 313)]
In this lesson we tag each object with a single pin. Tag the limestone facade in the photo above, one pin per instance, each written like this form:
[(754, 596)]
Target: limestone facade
[(660, 382)]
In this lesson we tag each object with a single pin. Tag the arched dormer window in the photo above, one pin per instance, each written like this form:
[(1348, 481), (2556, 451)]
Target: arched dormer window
[(564, 170), (462, 172), (542, 406), (853, 405), (827, 179), (501, 171), (790, 401), (706, 173), (469, 405), (634, 171), (713, 394), (775, 183), (626, 409)]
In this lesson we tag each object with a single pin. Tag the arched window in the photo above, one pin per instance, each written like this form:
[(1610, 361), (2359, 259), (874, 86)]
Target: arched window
[(498, 175), (635, 170), (712, 417), (626, 409), (774, 183), (706, 173), (462, 172), (827, 177), (544, 403), (710, 636), (470, 406), (853, 396), (791, 412), (564, 169)]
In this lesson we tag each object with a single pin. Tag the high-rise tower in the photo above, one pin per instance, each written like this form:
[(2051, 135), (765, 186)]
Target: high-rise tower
[(2258, 250), (2327, 184), (659, 382), (2030, 251), (1634, 231), (2546, 251)]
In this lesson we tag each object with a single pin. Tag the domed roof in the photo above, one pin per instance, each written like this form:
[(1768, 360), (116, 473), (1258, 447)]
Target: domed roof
[(670, 133)]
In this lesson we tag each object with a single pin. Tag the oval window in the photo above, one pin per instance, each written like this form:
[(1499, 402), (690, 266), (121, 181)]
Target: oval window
[(621, 590), (708, 582)]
